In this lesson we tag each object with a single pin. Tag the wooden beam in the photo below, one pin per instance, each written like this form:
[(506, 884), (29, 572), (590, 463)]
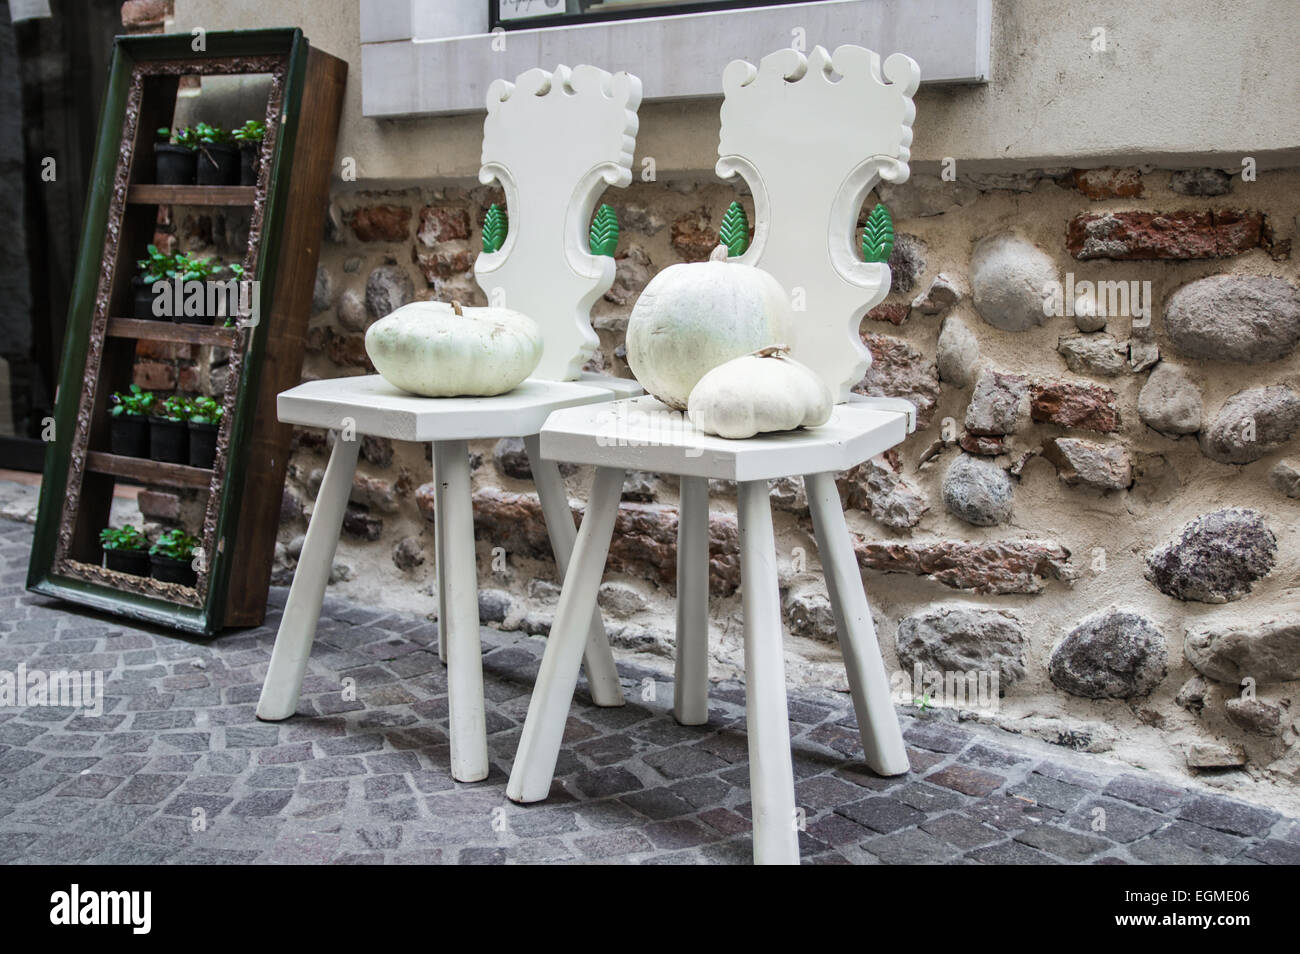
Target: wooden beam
[(301, 237)]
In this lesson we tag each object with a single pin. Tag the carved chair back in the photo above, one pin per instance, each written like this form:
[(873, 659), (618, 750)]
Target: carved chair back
[(554, 141), (811, 136)]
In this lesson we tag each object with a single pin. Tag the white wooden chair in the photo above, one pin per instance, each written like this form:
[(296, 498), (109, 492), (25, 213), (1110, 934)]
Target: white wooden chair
[(811, 146), (554, 141)]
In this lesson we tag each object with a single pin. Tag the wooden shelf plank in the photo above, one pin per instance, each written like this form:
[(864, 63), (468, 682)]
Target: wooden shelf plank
[(148, 471), (144, 194), (172, 331)]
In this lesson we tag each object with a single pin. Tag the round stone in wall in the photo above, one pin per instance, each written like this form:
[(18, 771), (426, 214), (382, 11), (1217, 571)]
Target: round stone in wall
[(322, 296), (1227, 649), (1250, 424), (1009, 280), (958, 355), (1285, 477), (977, 491), (388, 288), (352, 311), (1216, 558), (408, 553), (1114, 654), (906, 263), (1246, 318), (964, 639), (1170, 402)]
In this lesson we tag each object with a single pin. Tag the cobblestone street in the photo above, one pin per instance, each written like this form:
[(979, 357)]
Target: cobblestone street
[(178, 769)]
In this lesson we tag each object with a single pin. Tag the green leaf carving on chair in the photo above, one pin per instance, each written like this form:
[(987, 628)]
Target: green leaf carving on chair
[(603, 238), (495, 227), (734, 232), (878, 236)]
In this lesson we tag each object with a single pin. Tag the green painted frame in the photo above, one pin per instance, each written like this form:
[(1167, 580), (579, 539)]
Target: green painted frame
[(46, 575)]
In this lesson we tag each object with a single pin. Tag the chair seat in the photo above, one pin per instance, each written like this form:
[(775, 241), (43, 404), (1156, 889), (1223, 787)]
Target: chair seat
[(379, 409), (644, 434)]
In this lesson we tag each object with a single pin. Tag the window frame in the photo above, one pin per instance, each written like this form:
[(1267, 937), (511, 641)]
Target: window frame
[(408, 46), (576, 19)]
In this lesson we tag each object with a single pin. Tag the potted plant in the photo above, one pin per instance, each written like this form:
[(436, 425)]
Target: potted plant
[(218, 157), (168, 432), (154, 267), (205, 421), (128, 424), (229, 302), (189, 268), (125, 550), (171, 557), (250, 136), (175, 161)]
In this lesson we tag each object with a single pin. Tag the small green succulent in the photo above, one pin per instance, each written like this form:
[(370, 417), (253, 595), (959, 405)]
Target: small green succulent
[(253, 130), (175, 544), (155, 266), (131, 403), (127, 538), (184, 136), (205, 410), (175, 408), (211, 133)]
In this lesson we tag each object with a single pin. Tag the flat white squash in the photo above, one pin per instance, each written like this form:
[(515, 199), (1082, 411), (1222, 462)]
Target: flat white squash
[(445, 350), (693, 317), (758, 393)]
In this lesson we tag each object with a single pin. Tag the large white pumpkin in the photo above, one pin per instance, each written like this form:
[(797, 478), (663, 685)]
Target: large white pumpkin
[(762, 392), (445, 350), (693, 317)]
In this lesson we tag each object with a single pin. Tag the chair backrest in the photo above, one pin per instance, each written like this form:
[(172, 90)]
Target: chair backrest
[(811, 146), (555, 141)]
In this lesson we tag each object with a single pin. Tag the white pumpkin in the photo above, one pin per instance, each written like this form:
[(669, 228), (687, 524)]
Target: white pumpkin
[(762, 392), (693, 317), (441, 350)]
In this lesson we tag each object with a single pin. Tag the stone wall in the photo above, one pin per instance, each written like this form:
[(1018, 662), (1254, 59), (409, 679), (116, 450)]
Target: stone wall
[(1084, 497)]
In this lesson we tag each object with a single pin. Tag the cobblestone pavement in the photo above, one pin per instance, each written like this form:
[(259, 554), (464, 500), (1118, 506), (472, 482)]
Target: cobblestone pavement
[(178, 769)]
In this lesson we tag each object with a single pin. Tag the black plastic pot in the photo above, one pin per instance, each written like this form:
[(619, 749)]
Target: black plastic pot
[(167, 570), (143, 300), (135, 562), (203, 444), (250, 161), (218, 163), (201, 319), (206, 314), (168, 441), (128, 435), (173, 165)]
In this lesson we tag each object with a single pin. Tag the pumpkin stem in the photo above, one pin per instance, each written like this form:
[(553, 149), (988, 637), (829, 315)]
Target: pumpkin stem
[(455, 306), (720, 253), (771, 351)]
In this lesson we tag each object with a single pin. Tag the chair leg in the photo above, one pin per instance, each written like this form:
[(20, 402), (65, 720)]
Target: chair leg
[(279, 698), (458, 611), (882, 739), (767, 718), (691, 684), (597, 658), (548, 710), (439, 554)]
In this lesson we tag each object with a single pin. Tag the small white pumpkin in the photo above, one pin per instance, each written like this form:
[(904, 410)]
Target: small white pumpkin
[(693, 317), (444, 350), (761, 392)]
